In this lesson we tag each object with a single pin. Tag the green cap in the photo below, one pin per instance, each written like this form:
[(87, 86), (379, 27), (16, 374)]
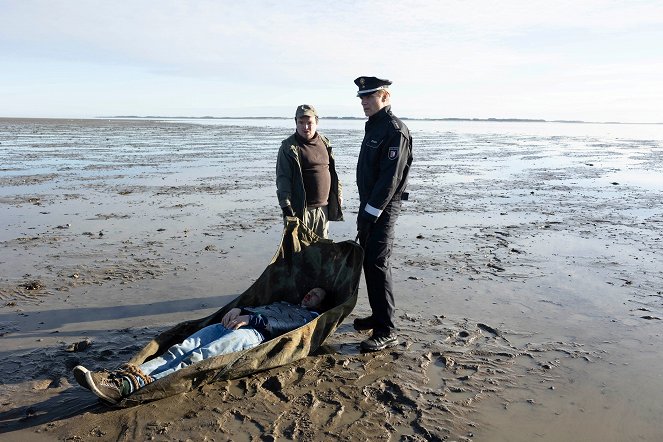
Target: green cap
[(306, 109)]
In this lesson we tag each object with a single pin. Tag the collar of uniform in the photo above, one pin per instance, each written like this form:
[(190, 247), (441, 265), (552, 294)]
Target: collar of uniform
[(380, 114)]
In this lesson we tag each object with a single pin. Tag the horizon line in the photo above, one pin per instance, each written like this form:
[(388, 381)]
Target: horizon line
[(209, 117), (490, 119)]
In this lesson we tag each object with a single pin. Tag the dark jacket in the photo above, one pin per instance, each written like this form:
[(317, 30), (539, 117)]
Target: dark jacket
[(282, 317), (290, 182), (384, 162)]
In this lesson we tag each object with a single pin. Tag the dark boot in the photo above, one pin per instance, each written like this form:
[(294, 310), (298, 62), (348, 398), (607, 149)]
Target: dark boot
[(379, 342), (361, 324)]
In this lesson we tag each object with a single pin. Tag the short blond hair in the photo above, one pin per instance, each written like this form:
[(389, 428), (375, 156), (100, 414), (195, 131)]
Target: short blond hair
[(385, 95)]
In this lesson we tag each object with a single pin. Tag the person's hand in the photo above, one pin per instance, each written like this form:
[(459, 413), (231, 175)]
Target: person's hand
[(362, 235), (231, 317), (287, 210), (239, 321), (364, 225)]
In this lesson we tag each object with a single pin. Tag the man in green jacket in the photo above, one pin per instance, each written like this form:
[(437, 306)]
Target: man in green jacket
[(307, 185)]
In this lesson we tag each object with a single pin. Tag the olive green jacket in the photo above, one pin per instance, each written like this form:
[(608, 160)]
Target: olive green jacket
[(290, 182)]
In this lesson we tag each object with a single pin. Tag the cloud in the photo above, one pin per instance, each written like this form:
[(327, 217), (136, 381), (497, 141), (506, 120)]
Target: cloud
[(435, 51)]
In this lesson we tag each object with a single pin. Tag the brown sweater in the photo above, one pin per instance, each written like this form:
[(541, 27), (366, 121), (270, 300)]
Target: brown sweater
[(315, 170)]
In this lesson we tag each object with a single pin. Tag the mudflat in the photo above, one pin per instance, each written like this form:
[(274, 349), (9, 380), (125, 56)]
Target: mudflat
[(527, 267)]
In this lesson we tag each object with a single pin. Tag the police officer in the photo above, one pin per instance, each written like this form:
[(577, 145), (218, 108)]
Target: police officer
[(382, 171)]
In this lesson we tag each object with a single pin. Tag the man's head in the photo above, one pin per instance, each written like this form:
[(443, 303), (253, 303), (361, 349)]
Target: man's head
[(373, 93), (313, 299), (306, 119)]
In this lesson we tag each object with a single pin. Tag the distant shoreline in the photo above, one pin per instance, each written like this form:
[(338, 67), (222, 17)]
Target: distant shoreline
[(489, 120), (452, 119)]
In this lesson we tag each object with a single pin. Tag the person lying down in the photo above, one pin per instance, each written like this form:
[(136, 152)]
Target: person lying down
[(238, 330)]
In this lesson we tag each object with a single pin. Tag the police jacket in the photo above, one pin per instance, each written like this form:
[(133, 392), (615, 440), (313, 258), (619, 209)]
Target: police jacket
[(280, 317), (290, 181), (384, 162)]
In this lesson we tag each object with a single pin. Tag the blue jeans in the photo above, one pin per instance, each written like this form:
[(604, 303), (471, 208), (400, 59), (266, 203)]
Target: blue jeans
[(207, 342)]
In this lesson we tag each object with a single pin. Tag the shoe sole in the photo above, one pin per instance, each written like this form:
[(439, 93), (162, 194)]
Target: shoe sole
[(95, 390), (80, 376), (382, 347)]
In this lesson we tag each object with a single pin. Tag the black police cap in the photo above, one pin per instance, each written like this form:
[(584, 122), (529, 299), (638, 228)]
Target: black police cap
[(368, 85)]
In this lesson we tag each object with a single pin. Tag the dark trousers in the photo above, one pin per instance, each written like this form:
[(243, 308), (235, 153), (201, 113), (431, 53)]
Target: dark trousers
[(377, 269)]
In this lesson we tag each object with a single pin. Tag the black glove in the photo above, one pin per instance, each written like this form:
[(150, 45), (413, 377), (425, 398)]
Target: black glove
[(364, 225), (287, 210)]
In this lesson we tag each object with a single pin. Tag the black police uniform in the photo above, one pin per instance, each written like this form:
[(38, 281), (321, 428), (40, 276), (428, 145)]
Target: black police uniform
[(382, 171)]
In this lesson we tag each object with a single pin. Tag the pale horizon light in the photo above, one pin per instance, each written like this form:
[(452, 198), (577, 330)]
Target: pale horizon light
[(591, 61)]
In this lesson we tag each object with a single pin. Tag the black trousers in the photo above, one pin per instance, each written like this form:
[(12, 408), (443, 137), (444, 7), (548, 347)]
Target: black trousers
[(377, 269)]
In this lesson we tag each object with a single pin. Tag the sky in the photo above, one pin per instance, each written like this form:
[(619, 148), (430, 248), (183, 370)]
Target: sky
[(584, 60)]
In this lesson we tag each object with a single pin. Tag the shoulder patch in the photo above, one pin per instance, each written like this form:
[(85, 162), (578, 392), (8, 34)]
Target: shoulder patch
[(395, 123), (393, 153)]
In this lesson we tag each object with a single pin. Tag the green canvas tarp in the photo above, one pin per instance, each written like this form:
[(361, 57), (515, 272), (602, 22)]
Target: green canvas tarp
[(303, 261)]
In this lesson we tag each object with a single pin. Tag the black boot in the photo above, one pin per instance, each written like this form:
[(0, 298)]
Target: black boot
[(361, 324)]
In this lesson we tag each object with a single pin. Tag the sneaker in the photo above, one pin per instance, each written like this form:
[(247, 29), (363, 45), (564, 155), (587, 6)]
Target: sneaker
[(105, 385), (361, 324), (80, 373), (379, 342)]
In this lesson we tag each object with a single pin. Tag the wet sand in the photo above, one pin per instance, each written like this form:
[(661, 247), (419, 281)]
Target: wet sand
[(527, 271)]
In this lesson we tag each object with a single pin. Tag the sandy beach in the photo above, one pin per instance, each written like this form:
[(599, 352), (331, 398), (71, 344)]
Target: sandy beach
[(527, 268)]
